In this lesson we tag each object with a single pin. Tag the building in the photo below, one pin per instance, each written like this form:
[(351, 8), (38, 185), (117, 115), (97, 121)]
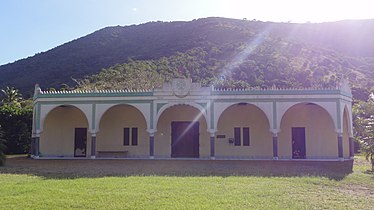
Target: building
[(184, 120)]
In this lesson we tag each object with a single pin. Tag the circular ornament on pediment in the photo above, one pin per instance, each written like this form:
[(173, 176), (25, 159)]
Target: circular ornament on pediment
[(181, 87)]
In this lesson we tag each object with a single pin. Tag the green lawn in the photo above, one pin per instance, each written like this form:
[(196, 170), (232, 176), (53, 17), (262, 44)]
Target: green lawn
[(354, 191)]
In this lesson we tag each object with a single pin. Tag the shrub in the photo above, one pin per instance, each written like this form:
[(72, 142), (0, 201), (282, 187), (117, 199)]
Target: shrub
[(2, 148)]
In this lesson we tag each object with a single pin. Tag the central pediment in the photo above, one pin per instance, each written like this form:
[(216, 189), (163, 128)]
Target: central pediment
[(182, 88)]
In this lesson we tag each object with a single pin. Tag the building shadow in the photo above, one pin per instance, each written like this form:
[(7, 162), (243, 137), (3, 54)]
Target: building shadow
[(70, 169)]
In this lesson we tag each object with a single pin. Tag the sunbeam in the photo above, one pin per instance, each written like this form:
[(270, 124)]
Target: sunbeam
[(196, 119), (251, 45)]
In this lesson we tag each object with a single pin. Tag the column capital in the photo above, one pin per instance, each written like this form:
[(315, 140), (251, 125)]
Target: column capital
[(151, 131), (38, 133), (212, 131), (93, 132), (274, 131)]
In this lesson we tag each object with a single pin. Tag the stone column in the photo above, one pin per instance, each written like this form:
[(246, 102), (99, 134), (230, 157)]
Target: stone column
[(212, 146), (275, 146), (351, 147), (151, 145), (93, 145), (32, 146), (340, 145), (36, 146)]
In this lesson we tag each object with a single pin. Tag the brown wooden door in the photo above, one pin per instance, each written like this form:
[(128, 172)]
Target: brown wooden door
[(185, 139), (80, 142), (298, 143)]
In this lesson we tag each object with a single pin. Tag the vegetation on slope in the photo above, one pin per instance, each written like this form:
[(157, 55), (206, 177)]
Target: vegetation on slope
[(264, 63), (305, 53)]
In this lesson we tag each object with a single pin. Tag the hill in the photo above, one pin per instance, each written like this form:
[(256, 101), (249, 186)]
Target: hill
[(257, 53)]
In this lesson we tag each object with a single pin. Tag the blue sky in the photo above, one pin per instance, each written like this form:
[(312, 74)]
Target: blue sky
[(31, 26)]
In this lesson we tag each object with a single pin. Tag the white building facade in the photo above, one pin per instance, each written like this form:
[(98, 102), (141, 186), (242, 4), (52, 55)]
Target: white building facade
[(184, 120)]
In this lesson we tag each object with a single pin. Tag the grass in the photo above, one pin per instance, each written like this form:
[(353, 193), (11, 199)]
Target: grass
[(29, 191)]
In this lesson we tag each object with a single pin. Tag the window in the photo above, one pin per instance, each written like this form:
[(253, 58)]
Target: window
[(238, 134), (126, 136), (237, 139), (246, 136), (134, 136)]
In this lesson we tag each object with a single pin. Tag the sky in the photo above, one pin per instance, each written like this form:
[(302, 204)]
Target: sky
[(28, 27)]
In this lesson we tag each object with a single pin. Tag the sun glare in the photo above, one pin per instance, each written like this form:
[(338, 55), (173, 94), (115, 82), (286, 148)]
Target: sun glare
[(299, 11)]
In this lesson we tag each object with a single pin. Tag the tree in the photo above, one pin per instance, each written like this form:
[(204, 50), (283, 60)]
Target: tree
[(15, 122), (364, 127), (11, 96), (2, 148)]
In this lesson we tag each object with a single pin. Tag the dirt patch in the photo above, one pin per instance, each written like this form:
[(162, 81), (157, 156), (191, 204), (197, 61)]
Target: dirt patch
[(100, 168), (360, 161), (357, 191)]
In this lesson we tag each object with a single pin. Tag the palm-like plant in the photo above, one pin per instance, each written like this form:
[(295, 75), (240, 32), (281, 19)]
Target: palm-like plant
[(11, 96)]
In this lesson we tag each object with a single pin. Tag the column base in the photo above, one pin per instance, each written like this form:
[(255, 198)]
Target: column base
[(34, 156), (341, 159), (275, 158), (93, 157), (152, 157), (212, 158)]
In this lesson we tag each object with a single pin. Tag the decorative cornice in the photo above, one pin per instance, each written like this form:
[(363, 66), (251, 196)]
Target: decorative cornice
[(92, 93), (342, 89)]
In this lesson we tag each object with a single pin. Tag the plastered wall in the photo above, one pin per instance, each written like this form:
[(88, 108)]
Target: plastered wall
[(180, 113), (110, 135), (57, 139), (260, 136), (320, 135)]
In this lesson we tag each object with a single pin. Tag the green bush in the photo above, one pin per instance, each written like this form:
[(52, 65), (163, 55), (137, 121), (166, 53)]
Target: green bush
[(2, 149)]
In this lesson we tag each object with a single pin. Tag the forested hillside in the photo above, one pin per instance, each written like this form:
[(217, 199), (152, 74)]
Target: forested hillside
[(216, 51)]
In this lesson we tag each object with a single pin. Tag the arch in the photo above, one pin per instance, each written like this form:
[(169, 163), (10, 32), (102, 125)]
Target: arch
[(175, 114), (329, 107), (58, 137), (346, 132), (114, 106), (112, 125), (320, 138), (266, 109), (249, 120), (347, 113), (202, 110), (101, 109), (46, 109)]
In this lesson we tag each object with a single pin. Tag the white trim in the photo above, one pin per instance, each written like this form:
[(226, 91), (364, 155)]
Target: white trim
[(329, 107), (171, 104), (265, 107)]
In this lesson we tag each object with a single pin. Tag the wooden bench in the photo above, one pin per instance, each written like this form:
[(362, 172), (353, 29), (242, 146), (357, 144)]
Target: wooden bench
[(112, 154)]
